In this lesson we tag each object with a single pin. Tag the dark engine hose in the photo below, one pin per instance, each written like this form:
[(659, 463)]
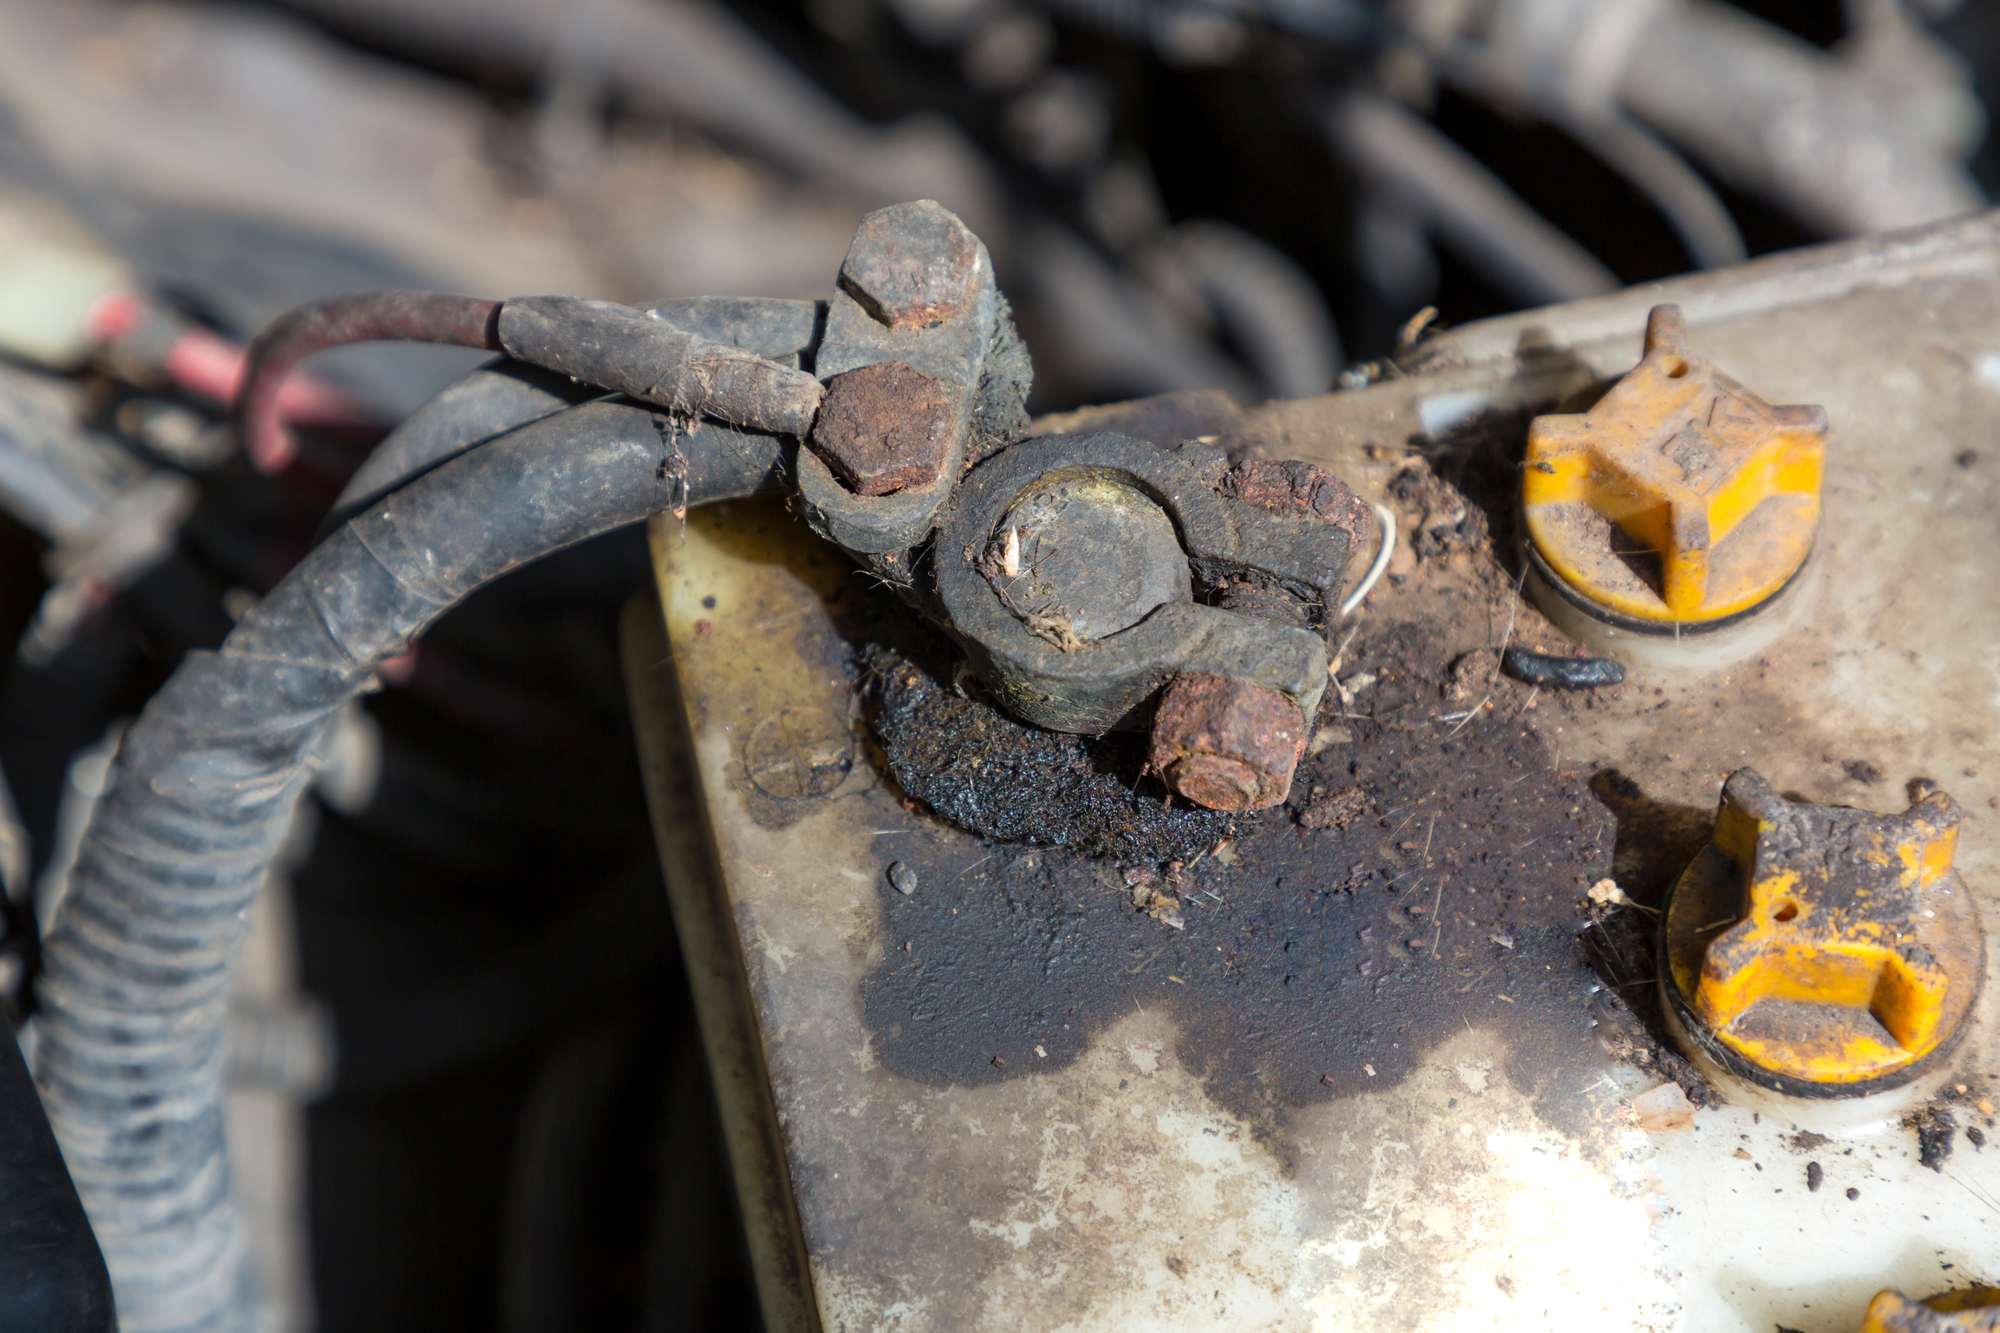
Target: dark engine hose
[(1698, 216), (1266, 304), (139, 964), (482, 405)]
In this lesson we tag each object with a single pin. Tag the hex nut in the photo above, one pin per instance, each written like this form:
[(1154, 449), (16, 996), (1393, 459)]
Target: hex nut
[(912, 265), (884, 428), (1227, 744), (1296, 490)]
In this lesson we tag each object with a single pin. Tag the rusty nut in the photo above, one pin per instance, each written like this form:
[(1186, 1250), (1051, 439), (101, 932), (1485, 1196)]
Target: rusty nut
[(1287, 486), (1227, 744), (1294, 490), (912, 265), (884, 428)]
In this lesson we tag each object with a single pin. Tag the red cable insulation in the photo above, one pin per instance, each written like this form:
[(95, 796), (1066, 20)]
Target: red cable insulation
[(432, 317), (208, 365)]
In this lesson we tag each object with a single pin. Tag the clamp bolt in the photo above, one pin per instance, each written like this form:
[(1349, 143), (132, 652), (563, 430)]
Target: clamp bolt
[(1227, 744), (912, 265), (884, 428)]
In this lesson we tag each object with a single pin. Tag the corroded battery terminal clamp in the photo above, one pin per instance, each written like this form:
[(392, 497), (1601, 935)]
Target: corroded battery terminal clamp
[(1069, 569), (1094, 581), (1820, 951)]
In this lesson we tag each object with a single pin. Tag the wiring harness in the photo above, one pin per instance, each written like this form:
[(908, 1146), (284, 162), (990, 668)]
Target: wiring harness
[(138, 968)]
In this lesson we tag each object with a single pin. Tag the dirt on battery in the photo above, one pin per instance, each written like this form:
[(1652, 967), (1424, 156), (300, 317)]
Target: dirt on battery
[(1428, 874)]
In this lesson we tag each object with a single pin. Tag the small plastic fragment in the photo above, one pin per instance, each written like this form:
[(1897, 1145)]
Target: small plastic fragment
[(1560, 673), (1662, 1110)]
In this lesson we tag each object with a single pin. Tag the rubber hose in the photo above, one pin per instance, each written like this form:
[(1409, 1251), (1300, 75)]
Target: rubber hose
[(1698, 216), (1470, 209), (145, 946), (482, 405), (52, 1278), (1266, 303), (1778, 117)]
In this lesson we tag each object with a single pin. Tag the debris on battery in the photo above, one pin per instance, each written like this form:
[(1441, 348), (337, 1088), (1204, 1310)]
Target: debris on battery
[(988, 772), (1662, 1110), (1413, 883), (1936, 1128), (1553, 672)]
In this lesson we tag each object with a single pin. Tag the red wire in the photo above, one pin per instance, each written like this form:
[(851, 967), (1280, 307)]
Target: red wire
[(208, 365), (214, 367), (433, 317)]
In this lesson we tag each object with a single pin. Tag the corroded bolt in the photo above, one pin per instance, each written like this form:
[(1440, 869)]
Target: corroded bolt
[(1287, 486), (1227, 744), (911, 265), (884, 428)]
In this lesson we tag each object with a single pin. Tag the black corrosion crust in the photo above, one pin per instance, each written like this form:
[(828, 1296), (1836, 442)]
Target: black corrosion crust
[(1309, 963), (1935, 1126), (1009, 781)]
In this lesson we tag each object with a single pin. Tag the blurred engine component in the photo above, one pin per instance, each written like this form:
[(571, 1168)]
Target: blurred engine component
[(1767, 112)]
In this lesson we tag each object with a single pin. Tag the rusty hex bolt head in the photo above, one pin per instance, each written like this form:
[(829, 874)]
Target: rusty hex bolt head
[(912, 265), (1227, 744), (884, 428)]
